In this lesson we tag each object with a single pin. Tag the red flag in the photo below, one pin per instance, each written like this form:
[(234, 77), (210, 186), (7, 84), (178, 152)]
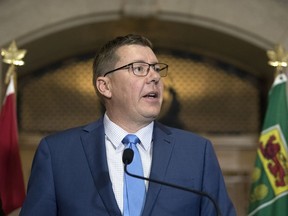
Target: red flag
[(12, 188)]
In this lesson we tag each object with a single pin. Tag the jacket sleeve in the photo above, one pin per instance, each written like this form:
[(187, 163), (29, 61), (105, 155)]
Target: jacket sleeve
[(40, 198), (214, 185)]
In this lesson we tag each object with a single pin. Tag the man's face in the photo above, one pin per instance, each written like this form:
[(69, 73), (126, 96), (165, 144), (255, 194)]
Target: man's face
[(135, 99)]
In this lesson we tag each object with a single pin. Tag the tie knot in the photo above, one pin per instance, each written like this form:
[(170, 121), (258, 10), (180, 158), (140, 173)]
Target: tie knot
[(130, 139)]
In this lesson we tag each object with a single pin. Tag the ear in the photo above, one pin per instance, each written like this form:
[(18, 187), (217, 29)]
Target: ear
[(103, 86)]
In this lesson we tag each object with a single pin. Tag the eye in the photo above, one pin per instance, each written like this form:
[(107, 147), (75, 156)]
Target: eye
[(138, 68), (157, 68)]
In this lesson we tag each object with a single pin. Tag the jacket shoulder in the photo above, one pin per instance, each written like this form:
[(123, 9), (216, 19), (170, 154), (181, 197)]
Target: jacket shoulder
[(181, 134), (72, 134)]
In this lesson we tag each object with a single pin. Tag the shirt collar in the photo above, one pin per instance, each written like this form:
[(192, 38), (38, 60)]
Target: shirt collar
[(115, 134)]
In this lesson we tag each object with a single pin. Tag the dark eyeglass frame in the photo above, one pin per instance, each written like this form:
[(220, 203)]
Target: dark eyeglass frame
[(149, 65)]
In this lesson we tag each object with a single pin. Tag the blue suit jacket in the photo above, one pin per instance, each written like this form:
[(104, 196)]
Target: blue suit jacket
[(70, 175)]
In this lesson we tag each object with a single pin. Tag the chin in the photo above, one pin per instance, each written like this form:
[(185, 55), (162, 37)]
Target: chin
[(151, 117), (150, 113)]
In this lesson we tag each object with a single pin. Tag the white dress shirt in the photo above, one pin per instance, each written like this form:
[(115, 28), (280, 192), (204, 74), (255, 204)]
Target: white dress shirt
[(114, 150)]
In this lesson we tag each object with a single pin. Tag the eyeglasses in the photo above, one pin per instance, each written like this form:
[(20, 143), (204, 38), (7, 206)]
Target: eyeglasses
[(141, 69)]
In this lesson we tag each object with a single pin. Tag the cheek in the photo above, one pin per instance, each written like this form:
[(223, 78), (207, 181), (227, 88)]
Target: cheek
[(121, 86), (161, 90), (135, 88), (128, 92)]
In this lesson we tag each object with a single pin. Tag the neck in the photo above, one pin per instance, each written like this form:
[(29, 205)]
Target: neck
[(128, 125)]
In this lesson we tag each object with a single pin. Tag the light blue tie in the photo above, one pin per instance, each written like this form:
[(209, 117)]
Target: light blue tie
[(134, 189)]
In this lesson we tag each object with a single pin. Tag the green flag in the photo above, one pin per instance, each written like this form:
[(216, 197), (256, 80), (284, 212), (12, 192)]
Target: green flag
[(269, 188)]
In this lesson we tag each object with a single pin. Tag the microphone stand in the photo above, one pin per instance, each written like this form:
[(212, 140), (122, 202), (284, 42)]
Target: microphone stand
[(174, 186)]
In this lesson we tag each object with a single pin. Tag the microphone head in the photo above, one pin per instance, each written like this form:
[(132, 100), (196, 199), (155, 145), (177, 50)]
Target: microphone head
[(127, 156)]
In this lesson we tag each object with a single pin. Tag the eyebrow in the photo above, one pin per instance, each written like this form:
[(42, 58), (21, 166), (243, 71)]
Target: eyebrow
[(142, 61)]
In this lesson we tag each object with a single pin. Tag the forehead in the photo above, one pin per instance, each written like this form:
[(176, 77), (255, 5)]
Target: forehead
[(136, 53)]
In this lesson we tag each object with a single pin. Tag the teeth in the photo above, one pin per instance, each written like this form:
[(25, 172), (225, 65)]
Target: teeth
[(151, 95)]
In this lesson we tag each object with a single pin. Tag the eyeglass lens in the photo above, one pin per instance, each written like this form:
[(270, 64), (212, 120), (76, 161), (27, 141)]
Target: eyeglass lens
[(142, 69)]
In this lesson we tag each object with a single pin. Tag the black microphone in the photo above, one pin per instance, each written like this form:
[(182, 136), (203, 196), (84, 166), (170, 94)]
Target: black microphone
[(127, 158)]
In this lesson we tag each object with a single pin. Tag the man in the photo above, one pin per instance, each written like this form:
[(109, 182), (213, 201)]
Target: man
[(80, 171)]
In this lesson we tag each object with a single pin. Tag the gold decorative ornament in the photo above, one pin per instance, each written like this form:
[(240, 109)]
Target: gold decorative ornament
[(278, 58), (14, 57)]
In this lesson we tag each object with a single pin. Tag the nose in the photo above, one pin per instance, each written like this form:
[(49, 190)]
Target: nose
[(153, 75)]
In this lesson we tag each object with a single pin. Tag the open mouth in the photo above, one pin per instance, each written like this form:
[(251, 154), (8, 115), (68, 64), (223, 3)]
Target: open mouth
[(151, 95)]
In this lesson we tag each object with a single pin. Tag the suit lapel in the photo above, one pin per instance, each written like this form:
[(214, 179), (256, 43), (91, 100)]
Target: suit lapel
[(163, 145), (94, 146)]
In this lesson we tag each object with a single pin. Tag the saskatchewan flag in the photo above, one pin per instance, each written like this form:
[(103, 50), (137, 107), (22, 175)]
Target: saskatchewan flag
[(269, 188)]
